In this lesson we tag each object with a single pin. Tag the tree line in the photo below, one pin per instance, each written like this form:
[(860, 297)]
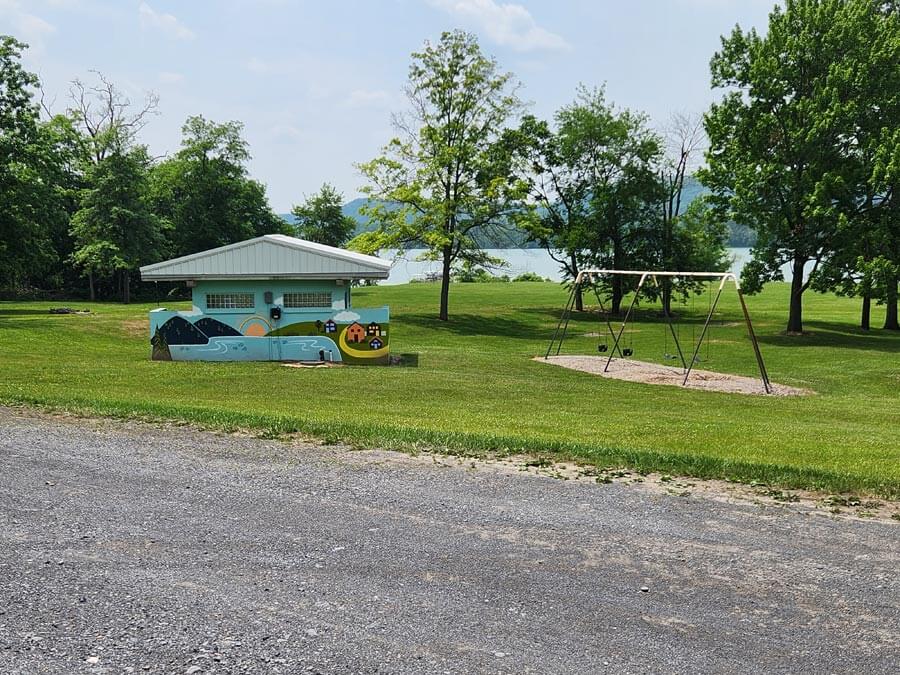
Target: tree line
[(85, 204), (803, 148)]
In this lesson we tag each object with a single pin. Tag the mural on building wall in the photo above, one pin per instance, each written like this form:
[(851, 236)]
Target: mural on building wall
[(348, 336)]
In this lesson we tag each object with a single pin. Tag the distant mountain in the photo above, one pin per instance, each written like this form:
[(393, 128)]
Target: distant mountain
[(740, 236)]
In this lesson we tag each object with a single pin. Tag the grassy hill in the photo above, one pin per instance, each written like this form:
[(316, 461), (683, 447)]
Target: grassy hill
[(478, 390)]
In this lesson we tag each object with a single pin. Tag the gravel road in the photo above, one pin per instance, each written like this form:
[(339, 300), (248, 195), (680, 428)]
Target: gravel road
[(135, 548)]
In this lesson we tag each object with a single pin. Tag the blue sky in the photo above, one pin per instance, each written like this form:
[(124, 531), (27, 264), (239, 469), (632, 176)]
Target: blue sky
[(315, 81)]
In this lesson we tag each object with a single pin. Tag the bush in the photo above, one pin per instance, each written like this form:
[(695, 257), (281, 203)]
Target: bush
[(468, 273), (531, 276)]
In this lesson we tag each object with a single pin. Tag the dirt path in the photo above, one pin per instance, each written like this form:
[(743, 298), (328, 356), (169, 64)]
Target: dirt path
[(164, 549), (653, 373)]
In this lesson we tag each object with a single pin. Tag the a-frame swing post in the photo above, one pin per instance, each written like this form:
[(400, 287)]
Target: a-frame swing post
[(763, 373), (637, 292), (564, 319), (671, 325), (712, 310)]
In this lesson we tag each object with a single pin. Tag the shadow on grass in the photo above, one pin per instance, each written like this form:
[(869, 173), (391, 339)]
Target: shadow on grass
[(10, 311), (837, 335), (470, 325)]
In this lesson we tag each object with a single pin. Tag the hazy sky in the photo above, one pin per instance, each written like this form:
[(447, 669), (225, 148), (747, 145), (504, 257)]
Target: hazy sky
[(315, 81)]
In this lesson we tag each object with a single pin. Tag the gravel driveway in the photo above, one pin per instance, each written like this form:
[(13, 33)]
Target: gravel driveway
[(134, 548)]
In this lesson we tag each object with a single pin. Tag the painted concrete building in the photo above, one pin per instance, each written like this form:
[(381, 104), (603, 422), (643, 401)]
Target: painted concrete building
[(272, 298)]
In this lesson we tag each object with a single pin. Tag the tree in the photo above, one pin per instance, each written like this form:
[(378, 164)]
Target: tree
[(617, 155), (558, 193), (684, 140), (115, 230), (29, 159), (204, 191), (106, 117), (867, 246), (886, 272), (776, 141), (321, 218), (594, 185), (443, 183)]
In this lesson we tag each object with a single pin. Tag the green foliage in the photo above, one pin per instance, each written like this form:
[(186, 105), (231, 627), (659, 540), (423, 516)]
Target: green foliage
[(477, 390), (115, 229), (786, 138), (531, 276), (205, 193), (32, 175), (444, 181), (321, 219), (597, 195), (472, 273)]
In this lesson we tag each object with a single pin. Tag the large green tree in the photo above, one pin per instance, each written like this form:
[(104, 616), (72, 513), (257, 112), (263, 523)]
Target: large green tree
[(32, 175), (616, 154), (594, 185), (204, 191), (115, 230), (869, 79), (321, 218), (443, 182), (777, 138), (558, 194)]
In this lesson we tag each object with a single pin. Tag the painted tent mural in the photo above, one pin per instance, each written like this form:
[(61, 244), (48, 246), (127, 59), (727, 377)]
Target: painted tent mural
[(345, 336)]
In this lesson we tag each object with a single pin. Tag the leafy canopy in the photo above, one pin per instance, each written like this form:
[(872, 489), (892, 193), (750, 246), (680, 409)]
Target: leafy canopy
[(321, 218), (444, 181)]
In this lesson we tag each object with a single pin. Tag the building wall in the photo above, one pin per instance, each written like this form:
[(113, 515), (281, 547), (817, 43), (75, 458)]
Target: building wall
[(253, 334), (340, 295)]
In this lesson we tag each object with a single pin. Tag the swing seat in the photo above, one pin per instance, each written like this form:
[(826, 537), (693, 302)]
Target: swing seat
[(670, 357), (602, 348), (628, 351)]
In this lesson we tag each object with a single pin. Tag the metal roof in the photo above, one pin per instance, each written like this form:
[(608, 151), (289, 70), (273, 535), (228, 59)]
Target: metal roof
[(272, 256)]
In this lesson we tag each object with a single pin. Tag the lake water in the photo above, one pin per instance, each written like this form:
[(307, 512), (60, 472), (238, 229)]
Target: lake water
[(519, 261)]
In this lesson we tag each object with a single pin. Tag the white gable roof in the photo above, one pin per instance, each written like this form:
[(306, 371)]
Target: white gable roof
[(272, 256)]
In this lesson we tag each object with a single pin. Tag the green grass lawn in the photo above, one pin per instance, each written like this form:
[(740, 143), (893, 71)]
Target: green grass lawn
[(477, 390)]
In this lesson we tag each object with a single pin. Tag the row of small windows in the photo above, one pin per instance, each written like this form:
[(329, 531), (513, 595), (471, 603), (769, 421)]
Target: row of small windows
[(229, 301), (307, 299), (246, 301)]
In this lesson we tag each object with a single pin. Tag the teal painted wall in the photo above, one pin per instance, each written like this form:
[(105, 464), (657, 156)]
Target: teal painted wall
[(333, 333)]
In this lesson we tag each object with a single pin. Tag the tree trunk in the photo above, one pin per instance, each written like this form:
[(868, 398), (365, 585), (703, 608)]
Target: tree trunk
[(126, 286), (93, 293), (891, 320), (616, 294), (579, 300), (795, 317), (445, 286), (866, 317)]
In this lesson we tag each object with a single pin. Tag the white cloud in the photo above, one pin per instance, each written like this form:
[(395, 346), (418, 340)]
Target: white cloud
[(285, 132), (369, 98), (346, 316), (28, 27), (166, 77), (508, 24), (165, 23)]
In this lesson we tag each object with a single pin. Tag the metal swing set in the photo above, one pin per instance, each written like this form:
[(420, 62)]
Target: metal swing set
[(626, 350)]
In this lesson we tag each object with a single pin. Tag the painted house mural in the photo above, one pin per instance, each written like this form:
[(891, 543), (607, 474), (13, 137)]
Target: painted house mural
[(272, 298)]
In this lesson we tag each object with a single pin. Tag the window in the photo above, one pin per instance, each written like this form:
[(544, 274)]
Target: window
[(229, 301), (307, 299)]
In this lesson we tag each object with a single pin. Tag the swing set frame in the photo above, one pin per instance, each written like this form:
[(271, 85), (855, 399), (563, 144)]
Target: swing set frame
[(587, 276)]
